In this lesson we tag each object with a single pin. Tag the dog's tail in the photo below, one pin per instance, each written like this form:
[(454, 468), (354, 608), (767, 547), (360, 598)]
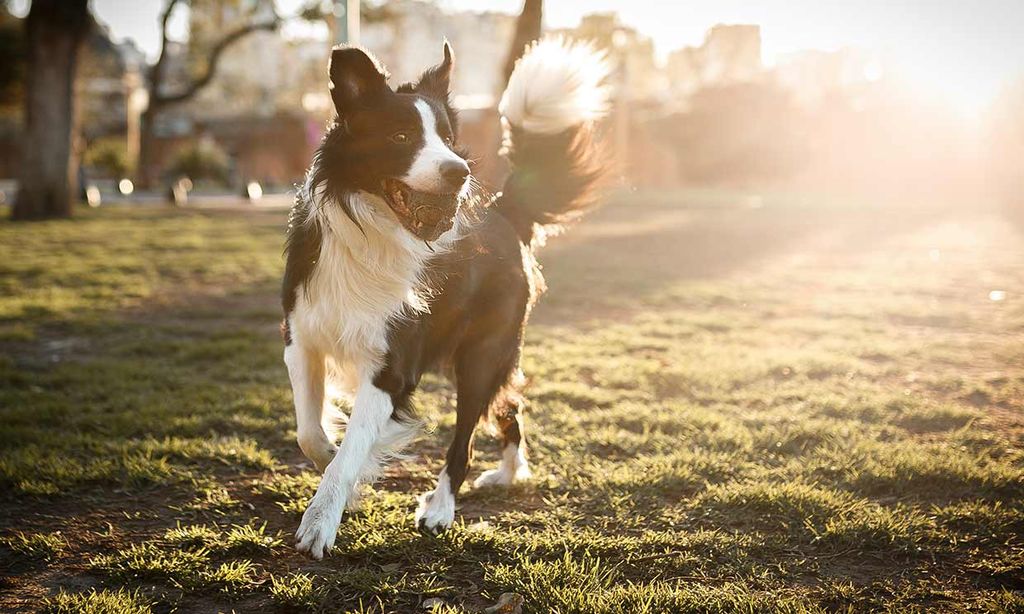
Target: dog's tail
[(555, 94)]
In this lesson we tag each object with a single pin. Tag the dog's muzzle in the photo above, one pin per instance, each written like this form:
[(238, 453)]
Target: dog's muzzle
[(425, 215)]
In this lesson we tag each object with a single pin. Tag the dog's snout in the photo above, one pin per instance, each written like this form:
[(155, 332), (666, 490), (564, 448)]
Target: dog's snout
[(454, 173)]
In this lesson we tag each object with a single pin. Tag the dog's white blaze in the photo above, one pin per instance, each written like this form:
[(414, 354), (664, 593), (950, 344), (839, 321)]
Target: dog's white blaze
[(424, 174), (437, 509), (512, 468), (557, 84), (371, 412)]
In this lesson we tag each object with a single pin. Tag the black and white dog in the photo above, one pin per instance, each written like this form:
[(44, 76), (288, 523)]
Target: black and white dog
[(393, 269)]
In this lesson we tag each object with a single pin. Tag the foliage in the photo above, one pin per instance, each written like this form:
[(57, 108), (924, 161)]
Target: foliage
[(109, 156), (104, 601), (202, 159), (46, 546)]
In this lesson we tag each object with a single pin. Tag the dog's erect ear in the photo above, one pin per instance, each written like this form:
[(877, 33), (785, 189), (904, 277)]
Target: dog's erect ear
[(355, 78), (436, 81)]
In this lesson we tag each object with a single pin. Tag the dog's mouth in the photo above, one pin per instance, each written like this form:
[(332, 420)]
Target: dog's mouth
[(425, 215)]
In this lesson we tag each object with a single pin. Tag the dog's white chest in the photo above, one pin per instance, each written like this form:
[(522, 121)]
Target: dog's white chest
[(361, 284)]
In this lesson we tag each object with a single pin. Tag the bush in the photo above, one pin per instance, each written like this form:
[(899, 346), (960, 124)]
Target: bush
[(108, 157), (203, 159)]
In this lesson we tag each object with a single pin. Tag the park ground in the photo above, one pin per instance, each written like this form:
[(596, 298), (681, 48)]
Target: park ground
[(735, 405)]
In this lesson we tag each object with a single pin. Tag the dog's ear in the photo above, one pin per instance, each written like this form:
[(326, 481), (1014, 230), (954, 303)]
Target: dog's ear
[(356, 78), (437, 80)]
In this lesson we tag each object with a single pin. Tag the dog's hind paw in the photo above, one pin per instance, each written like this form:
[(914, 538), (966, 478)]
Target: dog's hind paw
[(436, 512), (512, 468)]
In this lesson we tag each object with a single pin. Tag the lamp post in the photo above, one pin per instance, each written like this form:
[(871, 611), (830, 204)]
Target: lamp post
[(346, 22)]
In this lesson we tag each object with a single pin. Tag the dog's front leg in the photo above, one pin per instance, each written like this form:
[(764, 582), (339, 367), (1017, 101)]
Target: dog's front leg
[(370, 414), (306, 371)]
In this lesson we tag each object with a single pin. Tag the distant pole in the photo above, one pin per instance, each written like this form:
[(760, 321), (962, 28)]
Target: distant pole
[(135, 99), (346, 22)]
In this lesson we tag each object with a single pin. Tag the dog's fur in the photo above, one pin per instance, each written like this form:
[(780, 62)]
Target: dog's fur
[(370, 305)]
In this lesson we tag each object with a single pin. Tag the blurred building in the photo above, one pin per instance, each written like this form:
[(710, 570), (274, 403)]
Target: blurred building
[(637, 75), (729, 54), (108, 73), (815, 77), (408, 39)]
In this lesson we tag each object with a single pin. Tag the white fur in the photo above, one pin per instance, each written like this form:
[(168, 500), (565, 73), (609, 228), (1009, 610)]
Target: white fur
[(557, 84), (512, 468), (371, 413), (436, 510), (306, 372), (423, 174)]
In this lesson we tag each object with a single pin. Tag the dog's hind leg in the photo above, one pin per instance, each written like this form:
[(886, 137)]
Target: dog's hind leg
[(481, 371), (507, 414), (307, 370)]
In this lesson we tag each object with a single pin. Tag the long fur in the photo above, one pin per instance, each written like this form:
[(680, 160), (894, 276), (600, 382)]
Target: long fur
[(554, 95)]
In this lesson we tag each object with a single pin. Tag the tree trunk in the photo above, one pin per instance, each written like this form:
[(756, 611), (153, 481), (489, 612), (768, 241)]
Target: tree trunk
[(146, 169), (528, 27), (48, 184)]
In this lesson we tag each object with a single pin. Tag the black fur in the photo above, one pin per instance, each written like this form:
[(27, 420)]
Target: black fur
[(302, 247), (553, 180)]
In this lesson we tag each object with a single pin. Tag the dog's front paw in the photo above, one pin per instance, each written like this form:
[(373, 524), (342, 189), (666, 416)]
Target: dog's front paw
[(436, 511), (319, 526)]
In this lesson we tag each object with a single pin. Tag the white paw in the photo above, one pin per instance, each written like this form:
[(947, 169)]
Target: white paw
[(319, 526), (493, 477), (436, 511), (513, 468)]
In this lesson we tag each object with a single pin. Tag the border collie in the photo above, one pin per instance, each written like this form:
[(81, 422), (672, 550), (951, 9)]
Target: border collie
[(395, 266)]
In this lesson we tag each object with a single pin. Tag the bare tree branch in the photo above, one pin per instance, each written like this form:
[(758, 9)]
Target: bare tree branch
[(156, 76), (211, 63), (159, 99)]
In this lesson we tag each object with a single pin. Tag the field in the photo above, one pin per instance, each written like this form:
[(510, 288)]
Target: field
[(781, 408)]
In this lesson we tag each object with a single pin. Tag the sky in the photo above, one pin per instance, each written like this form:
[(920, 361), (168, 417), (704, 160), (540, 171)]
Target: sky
[(963, 49)]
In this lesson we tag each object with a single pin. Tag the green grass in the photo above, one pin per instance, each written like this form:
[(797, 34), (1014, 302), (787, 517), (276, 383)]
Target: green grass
[(731, 410)]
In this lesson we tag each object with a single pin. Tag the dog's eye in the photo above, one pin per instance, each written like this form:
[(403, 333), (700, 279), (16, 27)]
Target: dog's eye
[(400, 137)]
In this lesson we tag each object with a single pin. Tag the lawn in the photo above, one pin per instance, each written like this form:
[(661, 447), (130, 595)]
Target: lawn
[(777, 409)]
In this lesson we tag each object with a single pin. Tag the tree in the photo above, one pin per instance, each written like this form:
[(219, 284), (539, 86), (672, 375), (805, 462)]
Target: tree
[(54, 31), (12, 69), (160, 99), (528, 27)]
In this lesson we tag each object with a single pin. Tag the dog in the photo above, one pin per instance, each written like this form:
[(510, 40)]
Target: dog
[(395, 266)]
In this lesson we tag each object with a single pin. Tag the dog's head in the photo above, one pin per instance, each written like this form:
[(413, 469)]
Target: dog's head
[(397, 144)]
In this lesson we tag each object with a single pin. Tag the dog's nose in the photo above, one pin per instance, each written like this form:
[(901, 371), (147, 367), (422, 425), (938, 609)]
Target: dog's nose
[(454, 173)]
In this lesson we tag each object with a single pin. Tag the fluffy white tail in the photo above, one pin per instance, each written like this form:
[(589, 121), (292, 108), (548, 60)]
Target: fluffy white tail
[(555, 94), (556, 85)]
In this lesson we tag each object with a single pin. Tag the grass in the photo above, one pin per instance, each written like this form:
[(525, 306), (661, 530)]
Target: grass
[(783, 409)]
